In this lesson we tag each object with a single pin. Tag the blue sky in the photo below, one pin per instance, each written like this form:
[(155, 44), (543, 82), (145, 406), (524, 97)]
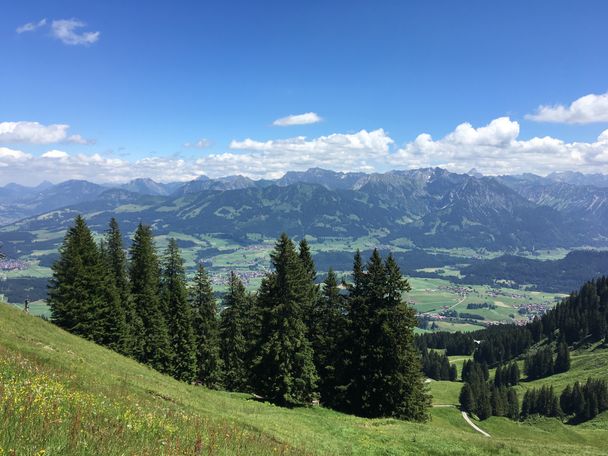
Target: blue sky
[(151, 77)]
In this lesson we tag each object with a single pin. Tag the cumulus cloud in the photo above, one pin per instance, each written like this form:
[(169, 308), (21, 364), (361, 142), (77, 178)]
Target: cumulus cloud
[(202, 143), (354, 151), (37, 133), (298, 119), (55, 154), (8, 155), (31, 26), (588, 109), (67, 31), (496, 149)]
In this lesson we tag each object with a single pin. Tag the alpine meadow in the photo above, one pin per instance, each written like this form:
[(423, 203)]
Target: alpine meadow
[(321, 228)]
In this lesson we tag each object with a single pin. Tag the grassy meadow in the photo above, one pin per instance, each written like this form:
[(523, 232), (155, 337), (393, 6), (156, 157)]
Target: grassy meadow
[(62, 395)]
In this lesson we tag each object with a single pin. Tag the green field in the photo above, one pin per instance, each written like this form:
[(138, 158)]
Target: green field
[(585, 362), (67, 396), (429, 296)]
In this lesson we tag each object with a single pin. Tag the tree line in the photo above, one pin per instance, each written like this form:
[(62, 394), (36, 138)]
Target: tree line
[(349, 345), (437, 366), (578, 402), (582, 316), (484, 398), (541, 364)]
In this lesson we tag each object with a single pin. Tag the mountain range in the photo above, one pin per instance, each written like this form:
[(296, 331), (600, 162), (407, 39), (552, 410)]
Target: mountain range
[(428, 207)]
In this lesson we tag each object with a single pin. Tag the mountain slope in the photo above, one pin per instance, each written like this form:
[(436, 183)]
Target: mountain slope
[(428, 207), (68, 396)]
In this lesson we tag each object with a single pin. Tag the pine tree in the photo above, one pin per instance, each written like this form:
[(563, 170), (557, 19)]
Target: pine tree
[(356, 337), (328, 341), (565, 401), (206, 330), (174, 295), (112, 330), (498, 377), (496, 400), (388, 375), (284, 371), (514, 374), (144, 277), (562, 361), (82, 298), (308, 264), (484, 405), (467, 399), (118, 267), (453, 373), (512, 404), (233, 342)]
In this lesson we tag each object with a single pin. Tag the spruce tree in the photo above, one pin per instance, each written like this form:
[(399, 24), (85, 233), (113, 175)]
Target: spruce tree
[(111, 325), (467, 399), (356, 337), (453, 373), (312, 290), (284, 371), (144, 277), (174, 295), (484, 405), (328, 341), (82, 299), (118, 267), (512, 404), (388, 375), (233, 342), (206, 330), (562, 361)]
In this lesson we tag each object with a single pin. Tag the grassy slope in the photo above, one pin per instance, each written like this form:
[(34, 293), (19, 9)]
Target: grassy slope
[(69, 396)]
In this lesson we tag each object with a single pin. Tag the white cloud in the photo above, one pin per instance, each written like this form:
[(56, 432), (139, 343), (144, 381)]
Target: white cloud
[(55, 154), (31, 26), (355, 151), (7, 154), (588, 109), (298, 119), (37, 133), (200, 144), (66, 30), (496, 149)]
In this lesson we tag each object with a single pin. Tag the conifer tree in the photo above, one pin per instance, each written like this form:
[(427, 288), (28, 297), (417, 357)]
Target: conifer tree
[(328, 341), (312, 290), (111, 329), (466, 398), (484, 405), (233, 342), (512, 404), (562, 361), (118, 267), (178, 315), (284, 371), (206, 330), (514, 374), (82, 298), (356, 336), (144, 277), (388, 375), (453, 373)]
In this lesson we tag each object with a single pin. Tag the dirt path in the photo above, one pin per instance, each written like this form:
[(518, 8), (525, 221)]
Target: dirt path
[(459, 302), (473, 425)]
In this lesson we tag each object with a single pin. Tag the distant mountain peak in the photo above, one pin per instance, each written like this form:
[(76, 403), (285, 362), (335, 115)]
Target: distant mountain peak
[(474, 173)]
